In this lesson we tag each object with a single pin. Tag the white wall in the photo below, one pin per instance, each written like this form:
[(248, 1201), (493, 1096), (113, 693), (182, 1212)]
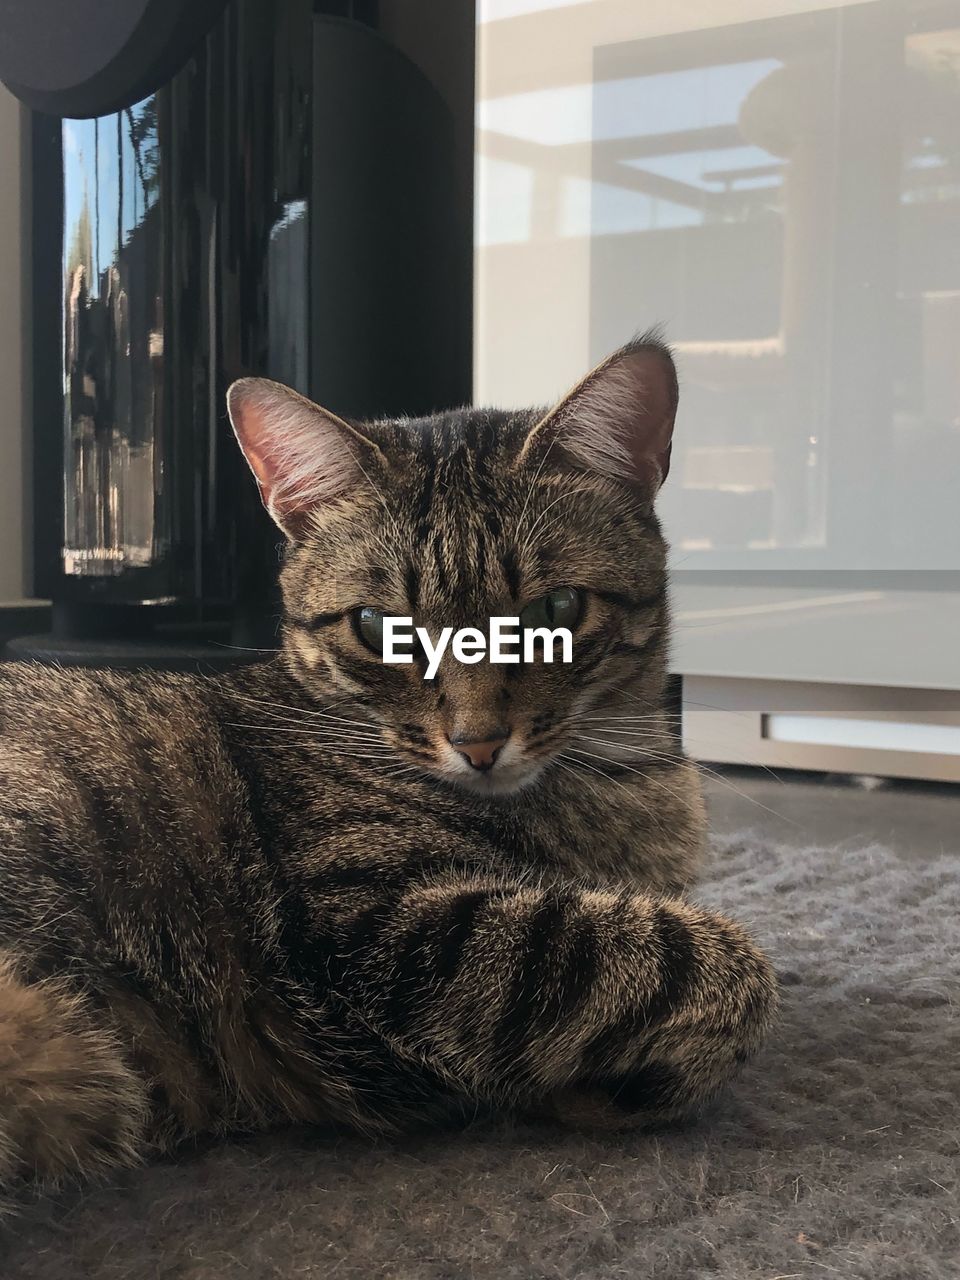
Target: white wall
[(14, 323)]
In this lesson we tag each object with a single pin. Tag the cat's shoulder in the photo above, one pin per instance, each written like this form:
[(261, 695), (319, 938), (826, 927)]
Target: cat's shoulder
[(33, 693), (37, 679)]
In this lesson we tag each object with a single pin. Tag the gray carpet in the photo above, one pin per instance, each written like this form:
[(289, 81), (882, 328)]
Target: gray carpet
[(836, 1154)]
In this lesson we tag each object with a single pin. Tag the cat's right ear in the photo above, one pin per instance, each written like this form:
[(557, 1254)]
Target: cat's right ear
[(301, 455)]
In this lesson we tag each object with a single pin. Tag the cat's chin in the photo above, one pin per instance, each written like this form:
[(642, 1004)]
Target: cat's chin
[(501, 782)]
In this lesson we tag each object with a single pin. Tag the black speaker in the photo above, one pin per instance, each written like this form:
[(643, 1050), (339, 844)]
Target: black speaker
[(91, 57), (385, 316), (284, 204)]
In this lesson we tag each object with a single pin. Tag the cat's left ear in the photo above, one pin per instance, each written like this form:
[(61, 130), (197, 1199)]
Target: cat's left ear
[(618, 420)]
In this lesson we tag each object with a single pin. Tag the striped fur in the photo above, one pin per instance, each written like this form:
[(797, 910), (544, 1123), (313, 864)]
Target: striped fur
[(281, 895)]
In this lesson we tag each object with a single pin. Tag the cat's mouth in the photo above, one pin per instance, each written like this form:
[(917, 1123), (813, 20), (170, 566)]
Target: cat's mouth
[(510, 772), (498, 781)]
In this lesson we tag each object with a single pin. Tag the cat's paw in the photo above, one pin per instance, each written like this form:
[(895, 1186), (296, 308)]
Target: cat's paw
[(69, 1104)]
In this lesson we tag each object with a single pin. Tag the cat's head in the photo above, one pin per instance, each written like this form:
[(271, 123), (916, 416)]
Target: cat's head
[(457, 518)]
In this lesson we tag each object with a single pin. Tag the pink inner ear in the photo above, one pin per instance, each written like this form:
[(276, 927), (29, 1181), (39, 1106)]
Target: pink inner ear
[(619, 421), (651, 437), (300, 454), (249, 409)]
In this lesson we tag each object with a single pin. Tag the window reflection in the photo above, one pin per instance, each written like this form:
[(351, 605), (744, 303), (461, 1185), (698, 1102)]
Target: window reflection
[(781, 193), (496, 10), (288, 305), (113, 359)]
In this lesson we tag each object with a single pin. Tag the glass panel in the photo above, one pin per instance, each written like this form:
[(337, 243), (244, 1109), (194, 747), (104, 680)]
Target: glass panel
[(113, 341), (779, 186)]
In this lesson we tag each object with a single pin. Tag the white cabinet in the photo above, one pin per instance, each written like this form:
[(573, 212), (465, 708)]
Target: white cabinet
[(778, 184)]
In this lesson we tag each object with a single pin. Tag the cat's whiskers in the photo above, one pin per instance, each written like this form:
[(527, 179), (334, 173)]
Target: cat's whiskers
[(333, 724), (562, 755), (654, 730), (288, 706), (646, 726), (640, 754), (613, 735), (567, 768), (383, 502), (677, 717), (345, 743), (693, 766), (557, 519), (658, 739), (276, 654), (532, 486), (333, 739), (360, 755), (311, 726), (606, 694), (618, 692), (308, 712), (641, 773), (652, 718), (549, 507), (582, 764), (402, 771)]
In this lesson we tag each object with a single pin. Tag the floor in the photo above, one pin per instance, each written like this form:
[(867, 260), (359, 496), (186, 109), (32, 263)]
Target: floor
[(916, 820), (833, 1154)]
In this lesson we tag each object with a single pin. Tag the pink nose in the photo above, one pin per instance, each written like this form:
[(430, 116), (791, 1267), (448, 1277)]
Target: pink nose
[(480, 754)]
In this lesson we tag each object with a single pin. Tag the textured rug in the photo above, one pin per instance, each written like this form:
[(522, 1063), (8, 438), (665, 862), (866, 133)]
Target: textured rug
[(837, 1153)]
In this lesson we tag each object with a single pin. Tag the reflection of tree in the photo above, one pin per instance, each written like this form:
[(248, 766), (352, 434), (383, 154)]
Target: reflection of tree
[(143, 139), (80, 249)]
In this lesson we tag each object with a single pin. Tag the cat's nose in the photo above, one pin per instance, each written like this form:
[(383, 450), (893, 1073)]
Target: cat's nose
[(480, 753)]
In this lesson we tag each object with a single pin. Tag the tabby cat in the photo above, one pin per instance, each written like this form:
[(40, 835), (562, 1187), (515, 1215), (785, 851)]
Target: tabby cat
[(325, 889)]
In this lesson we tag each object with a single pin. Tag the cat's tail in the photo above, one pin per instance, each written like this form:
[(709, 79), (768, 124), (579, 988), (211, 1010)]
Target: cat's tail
[(69, 1103)]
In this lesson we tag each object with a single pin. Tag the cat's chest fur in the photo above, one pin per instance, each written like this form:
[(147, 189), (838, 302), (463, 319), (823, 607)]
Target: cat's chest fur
[(139, 791), (643, 827)]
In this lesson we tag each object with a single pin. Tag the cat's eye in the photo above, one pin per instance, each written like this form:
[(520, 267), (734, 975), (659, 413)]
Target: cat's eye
[(560, 608), (369, 625)]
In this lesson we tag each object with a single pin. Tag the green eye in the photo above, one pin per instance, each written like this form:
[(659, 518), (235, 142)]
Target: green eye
[(369, 625), (561, 608)]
